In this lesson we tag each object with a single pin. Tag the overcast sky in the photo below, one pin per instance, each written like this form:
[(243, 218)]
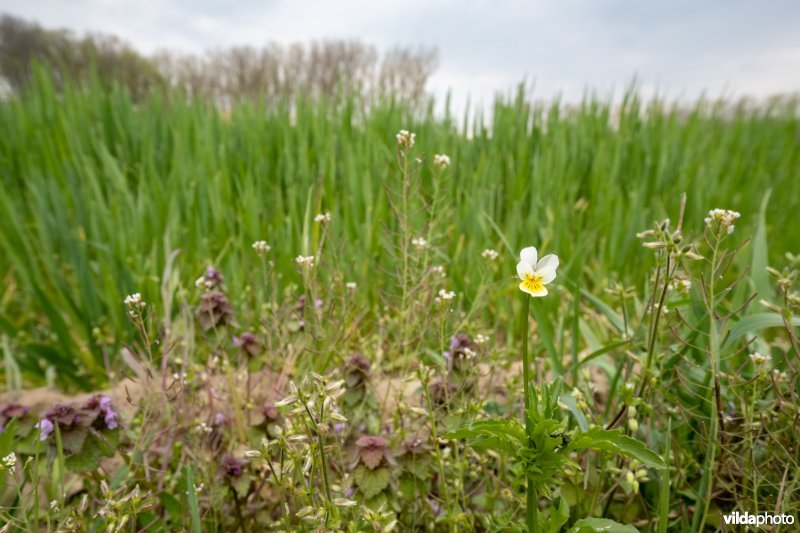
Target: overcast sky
[(678, 47)]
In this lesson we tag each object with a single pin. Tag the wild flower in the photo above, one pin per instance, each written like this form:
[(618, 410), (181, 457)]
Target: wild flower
[(461, 350), (490, 255), (405, 139), (419, 243), (723, 217), (373, 450), (536, 273), (438, 270), (632, 477), (357, 370), (446, 295), (214, 310), (135, 303), (248, 344), (580, 400), (45, 427), (441, 161), (96, 412), (10, 462), (322, 218), (351, 285), (760, 360), (261, 248), (481, 339), (10, 412), (271, 413), (103, 404), (779, 376), (441, 392), (233, 466), (681, 284), (213, 278), (305, 261), (415, 445)]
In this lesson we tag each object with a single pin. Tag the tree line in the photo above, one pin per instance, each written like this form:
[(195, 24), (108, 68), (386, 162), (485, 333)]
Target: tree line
[(273, 71)]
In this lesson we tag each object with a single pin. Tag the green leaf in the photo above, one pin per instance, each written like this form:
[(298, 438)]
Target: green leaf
[(172, 506), (756, 322), (412, 487), (545, 331), (597, 353), (612, 316), (73, 438), (568, 400), (241, 484), (418, 468), (371, 482), (758, 269), (194, 511), (505, 435), (604, 525), (82, 462), (617, 442), (558, 516)]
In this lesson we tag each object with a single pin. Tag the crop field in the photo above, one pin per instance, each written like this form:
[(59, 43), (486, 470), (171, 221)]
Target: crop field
[(326, 315)]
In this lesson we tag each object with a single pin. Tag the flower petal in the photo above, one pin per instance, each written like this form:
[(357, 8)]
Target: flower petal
[(547, 264), (548, 277), (535, 293), (529, 255), (524, 268)]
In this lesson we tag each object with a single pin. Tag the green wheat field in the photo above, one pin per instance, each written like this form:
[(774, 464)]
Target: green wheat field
[(292, 317)]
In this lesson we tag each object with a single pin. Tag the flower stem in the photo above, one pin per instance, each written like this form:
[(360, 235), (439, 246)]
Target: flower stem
[(523, 339), (531, 514), (707, 480)]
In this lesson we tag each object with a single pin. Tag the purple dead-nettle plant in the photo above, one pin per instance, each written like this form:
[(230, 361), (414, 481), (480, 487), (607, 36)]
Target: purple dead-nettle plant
[(373, 451), (103, 405), (441, 392), (211, 279), (248, 344), (11, 411), (357, 370), (233, 466), (214, 311), (415, 446), (462, 350), (97, 413)]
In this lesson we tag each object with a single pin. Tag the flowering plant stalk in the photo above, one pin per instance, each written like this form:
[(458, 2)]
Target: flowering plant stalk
[(531, 515)]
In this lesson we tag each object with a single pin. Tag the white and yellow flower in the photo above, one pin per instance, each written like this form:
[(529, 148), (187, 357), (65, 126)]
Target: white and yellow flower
[(535, 273)]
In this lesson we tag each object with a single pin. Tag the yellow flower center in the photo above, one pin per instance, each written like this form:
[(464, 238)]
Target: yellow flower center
[(533, 282)]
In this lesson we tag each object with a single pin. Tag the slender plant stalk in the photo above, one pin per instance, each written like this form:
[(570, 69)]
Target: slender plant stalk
[(706, 483), (323, 466), (531, 514), (439, 459)]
